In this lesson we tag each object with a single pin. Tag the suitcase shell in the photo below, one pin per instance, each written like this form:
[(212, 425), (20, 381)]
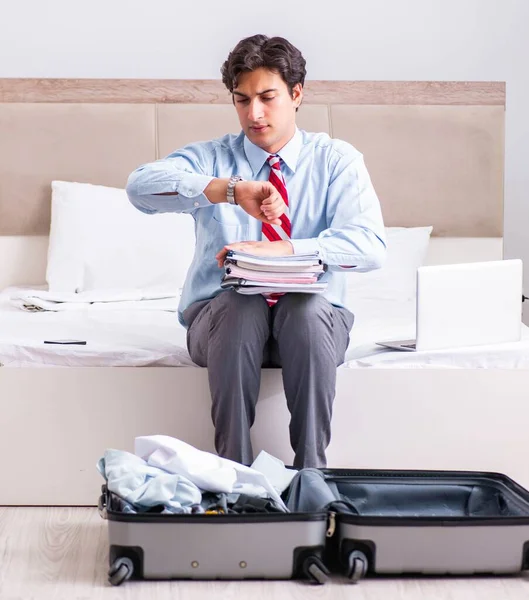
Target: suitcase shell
[(421, 522), (249, 546)]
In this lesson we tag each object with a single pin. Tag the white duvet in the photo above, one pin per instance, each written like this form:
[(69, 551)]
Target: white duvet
[(136, 336)]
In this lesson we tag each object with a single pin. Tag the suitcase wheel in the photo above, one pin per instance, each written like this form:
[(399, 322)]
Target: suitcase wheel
[(357, 565), (315, 570), (121, 570)]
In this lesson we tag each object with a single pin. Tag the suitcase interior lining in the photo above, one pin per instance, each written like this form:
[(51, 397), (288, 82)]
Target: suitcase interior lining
[(419, 499)]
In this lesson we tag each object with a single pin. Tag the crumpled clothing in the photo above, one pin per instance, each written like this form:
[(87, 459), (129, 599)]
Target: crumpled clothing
[(117, 504), (240, 504), (274, 470), (207, 471), (211, 504), (311, 492), (145, 486)]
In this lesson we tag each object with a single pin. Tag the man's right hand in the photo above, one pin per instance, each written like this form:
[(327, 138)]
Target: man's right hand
[(261, 200)]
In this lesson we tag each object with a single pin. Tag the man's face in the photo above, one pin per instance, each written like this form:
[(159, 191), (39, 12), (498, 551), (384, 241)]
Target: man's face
[(266, 110)]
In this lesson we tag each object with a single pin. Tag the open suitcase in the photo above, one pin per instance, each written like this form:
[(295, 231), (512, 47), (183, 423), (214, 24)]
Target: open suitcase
[(427, 522), (201, 546), (359, 522)]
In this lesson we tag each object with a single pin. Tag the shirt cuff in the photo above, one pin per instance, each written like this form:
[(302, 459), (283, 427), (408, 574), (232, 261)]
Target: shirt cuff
[(193, 186), (306, 246)]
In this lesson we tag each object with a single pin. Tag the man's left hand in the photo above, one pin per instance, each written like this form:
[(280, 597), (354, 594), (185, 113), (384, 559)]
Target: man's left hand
[(280, 248)]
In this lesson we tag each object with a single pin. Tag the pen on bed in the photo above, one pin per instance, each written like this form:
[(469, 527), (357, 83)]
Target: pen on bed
[(66, 342)]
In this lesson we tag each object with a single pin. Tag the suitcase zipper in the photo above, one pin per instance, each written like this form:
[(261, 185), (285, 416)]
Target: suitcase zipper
[(332, 524)]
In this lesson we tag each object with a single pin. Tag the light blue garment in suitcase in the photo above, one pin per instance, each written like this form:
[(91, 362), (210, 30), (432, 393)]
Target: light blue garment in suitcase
[(144, 486)]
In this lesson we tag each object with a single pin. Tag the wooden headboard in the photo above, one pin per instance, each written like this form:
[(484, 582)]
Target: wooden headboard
[(435, 150)]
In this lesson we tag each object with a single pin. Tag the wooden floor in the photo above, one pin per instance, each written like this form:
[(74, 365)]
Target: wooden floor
[(52, 553)]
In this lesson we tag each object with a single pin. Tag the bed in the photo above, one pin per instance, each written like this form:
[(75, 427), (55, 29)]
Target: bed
[(435, 152), (158, 340)]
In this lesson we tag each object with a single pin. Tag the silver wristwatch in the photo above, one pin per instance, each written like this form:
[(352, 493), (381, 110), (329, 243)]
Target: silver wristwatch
[(230, 194)]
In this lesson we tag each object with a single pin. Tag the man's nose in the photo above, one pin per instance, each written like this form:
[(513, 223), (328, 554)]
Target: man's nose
[(255, 111)]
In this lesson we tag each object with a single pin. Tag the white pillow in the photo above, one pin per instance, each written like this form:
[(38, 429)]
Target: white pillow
[(100, 241), (397, 279)]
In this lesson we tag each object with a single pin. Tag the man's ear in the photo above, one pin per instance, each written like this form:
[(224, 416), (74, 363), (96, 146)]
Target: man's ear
[(297, 94)]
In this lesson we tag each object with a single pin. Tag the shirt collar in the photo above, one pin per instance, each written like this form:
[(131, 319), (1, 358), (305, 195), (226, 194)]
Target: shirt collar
[(289, 153)]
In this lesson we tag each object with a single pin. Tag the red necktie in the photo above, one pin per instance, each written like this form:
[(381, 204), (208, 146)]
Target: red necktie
[(275, 233)]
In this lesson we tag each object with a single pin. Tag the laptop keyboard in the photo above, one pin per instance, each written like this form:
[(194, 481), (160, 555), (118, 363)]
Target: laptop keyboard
[(409, 345)]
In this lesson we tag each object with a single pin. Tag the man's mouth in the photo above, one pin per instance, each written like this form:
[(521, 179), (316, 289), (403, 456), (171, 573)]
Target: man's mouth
[(258, 128)]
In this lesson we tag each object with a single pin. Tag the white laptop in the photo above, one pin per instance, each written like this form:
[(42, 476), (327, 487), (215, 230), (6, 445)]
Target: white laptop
[(467, 304)]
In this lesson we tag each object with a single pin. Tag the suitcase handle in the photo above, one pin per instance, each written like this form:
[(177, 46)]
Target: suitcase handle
[(102, 504)]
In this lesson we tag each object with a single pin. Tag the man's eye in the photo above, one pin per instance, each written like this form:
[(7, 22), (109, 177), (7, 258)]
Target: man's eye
[(242, 101), (268, 97)]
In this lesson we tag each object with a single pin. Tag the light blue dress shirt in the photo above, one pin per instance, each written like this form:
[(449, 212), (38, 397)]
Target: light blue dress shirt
[(334, 209)]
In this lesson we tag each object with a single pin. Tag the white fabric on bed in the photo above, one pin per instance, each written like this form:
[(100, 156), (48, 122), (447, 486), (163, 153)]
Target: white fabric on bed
[(155, 338), (115, 338), (40, 299)]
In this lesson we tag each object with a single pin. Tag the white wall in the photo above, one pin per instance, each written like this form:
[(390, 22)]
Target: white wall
[(341, 39)]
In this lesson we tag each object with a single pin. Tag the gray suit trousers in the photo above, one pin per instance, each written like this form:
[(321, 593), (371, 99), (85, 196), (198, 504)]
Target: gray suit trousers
[(234, 335)]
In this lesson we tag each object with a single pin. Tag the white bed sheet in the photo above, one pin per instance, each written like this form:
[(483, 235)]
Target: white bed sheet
[(114, 338), (155, 338)]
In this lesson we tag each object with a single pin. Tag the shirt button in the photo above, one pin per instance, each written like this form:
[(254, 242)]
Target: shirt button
[(196, 204)]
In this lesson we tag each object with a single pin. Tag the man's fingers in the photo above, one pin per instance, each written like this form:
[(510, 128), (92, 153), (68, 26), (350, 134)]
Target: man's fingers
[(273, 221), (273, 217), (221, 257), (274, 213), (273, 199), (274, 209), (268, 189)]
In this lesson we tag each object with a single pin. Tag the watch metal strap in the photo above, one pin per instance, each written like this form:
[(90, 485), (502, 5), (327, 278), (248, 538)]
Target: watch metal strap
[(230, 193)]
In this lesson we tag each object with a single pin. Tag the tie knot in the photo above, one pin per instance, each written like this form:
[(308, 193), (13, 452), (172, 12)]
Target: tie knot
[(273, 161)]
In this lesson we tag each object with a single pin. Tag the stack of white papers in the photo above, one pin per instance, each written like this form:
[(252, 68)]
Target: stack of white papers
[(250, 274)]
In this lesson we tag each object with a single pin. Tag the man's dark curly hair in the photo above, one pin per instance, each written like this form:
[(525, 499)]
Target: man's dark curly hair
[(276, 54)]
